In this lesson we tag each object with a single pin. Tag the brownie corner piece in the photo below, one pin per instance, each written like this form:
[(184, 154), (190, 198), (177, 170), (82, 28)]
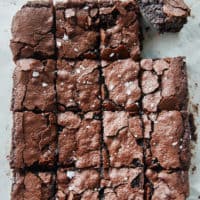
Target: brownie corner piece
[(79, 140), (34, 140), (32, 31), (165, 184), (34, 87), (28, 185), (73, 184), (120, 31), (165, 16), (77, 25)]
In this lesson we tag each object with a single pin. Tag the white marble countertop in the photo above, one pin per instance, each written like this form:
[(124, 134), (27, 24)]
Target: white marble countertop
[(186, 43)]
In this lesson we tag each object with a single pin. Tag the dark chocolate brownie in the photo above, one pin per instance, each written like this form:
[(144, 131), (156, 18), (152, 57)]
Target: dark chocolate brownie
[(169, 135), (77, 29), (78, 85), (34, 140), (35, 186), (79, 140), (34, 87), (122, 135), (119, 30), (73, 184), (123, 184), (165, 15), (164, 84), (32, 31), (121, 89), (166, 185)]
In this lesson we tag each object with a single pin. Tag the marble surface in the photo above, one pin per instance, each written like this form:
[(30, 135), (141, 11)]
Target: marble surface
[(186, 43)]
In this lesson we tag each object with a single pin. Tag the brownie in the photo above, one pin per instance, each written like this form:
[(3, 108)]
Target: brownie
[(164, 84), (119, 30), (165, 185), (77, 29), (169, 146), (165, 15), (73, 184), (34, 140), (123, 183), (34, 87), (79, 140), (78, 85), (37, 186), (121, 90), (122, 137), (32, 31)]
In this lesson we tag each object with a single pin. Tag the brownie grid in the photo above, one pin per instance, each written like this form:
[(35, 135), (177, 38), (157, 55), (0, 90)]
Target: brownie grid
[(101, 147)]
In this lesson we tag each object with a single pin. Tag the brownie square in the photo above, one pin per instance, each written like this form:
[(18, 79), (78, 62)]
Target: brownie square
[(169, 146), (34, 140), (38, 185), (167, 16), (79, 140), (122, 134), (77, 29), (32, 31), (120, 30), (34, 87), (164, 84), (121, 90), (73, 184), (167, 185), (78, 85), (123, 183)]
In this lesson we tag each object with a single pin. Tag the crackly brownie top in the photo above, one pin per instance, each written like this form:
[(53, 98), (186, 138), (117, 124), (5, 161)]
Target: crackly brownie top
[(34, 85), (166, 185), (38, 186), (77, 184), (121, 136), (123, 183), (79, 141)]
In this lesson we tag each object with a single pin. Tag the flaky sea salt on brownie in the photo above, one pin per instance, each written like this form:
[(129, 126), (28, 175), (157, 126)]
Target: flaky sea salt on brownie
[(78, 86), (121, 90), (123, 183), (40, 186), (166, 185), (79, 140), (34, 140), (169, 146), (73, 184), (122, 135), (32, 31), (77, 29), (164, 84), (34, 87), (165, 15), (120, 31)]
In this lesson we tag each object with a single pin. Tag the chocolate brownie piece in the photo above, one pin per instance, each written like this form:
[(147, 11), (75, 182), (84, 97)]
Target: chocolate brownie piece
[(79, 140), (122, 136), (123, 183), (32, 31), (120, 31), (40, 186), (78, 85), (164, 84), (165, 15), (73, 184), (166, 185), (121, 89), (169, 136), (34, 140), (34, 87), (77, 29)]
